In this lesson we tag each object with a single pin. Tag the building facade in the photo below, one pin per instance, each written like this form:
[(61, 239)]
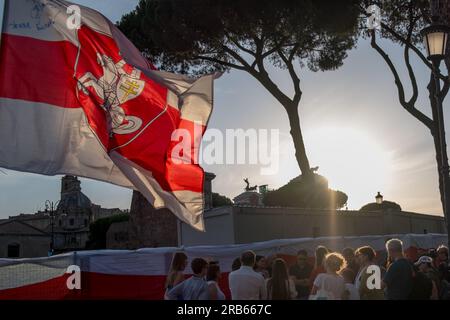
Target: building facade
[(244, 224), (21, 240), (67, 226), (147, 227), (248, 221)]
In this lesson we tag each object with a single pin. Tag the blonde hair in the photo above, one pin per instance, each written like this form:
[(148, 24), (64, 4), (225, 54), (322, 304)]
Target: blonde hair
[(335, 262), (395, 245)]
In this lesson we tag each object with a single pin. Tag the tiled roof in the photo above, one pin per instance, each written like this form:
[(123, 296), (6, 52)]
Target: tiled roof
[(19, 227)]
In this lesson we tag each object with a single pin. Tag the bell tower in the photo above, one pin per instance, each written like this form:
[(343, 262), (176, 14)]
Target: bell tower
[(69, 184)]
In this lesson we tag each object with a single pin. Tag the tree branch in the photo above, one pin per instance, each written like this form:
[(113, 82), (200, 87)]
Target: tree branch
[(404, 42), (237, 57), (294, 76), (412, 76), (263, 77), (275, 48), (241, 47), (294, 50), (401, 92), (446, 86), (225, 63)]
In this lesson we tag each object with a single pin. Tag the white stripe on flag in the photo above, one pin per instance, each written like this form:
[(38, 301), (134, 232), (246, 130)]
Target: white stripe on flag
[(41, 138), (32, 19)]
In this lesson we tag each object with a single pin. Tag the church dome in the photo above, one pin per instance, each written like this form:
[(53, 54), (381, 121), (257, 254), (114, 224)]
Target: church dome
[(75, 200), (71, 195)]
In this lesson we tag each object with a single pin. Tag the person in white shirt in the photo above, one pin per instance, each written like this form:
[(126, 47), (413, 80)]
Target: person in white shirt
[(245, 283), (330, 285)]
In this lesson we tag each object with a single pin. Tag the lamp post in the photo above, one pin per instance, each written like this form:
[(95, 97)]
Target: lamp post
[(379, 198), (50, 208), (436, 41)]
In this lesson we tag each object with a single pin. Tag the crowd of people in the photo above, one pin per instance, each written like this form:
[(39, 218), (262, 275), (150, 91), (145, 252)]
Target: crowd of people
[(358, 274)]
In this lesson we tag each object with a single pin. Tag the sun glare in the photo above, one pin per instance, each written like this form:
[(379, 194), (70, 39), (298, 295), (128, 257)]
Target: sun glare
[(352, 162)]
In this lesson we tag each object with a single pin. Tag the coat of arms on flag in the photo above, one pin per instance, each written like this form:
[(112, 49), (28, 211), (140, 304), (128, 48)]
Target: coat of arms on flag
[(83, 101), (115, 87)]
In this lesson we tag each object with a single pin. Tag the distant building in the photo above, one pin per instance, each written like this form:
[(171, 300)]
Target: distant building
[(248, 221), (242, 223), (117, 236), (71, 220), (21, 240), (146, 228), (245, 224)]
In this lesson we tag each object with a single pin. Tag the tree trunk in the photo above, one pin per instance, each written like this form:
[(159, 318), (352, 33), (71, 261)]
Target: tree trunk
[(291, 107), (441, 154), (297, 137), (444, 197)]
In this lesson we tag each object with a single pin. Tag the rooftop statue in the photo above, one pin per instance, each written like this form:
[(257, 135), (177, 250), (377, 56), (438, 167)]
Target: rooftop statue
[(248, 188)]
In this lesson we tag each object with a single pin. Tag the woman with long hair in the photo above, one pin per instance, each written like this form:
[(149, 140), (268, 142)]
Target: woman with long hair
[(176, 272), (280, 286), (213, 277), (261, 266), (319, 268)]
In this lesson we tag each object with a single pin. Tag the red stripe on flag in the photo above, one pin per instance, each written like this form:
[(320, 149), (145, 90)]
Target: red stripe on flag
[(95, 286), (182, 171), (53, 289), (42, 71), (37, 70)]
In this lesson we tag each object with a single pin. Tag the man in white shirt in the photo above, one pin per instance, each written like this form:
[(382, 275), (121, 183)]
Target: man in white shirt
[(245, 283)]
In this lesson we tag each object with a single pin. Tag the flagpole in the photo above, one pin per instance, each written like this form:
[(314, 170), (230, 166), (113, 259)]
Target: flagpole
[(2, 14)]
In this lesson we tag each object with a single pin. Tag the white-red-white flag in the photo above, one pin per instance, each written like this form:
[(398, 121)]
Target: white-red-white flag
[(76, 97)]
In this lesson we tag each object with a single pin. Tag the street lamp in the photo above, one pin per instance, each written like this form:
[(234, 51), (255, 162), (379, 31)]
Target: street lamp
[(379, 198), (436, 42), (436, 39), (50, 208)]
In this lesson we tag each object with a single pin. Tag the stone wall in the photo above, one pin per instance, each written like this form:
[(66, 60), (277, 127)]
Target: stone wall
[(117, 236), (149, 227), (30, 245), (243, 224)]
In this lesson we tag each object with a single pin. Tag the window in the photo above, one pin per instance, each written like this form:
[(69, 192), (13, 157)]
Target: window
[(60, 222), (85, 222), (71, 221), (13, 250)]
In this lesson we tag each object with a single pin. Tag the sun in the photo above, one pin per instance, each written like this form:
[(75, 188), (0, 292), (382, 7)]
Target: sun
[(352, 161)]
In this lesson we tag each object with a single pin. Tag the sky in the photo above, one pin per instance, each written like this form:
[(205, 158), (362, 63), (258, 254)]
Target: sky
[(354, 130)]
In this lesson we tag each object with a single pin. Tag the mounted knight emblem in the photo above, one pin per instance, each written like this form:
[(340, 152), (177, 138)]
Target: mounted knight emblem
[(115, 87)]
